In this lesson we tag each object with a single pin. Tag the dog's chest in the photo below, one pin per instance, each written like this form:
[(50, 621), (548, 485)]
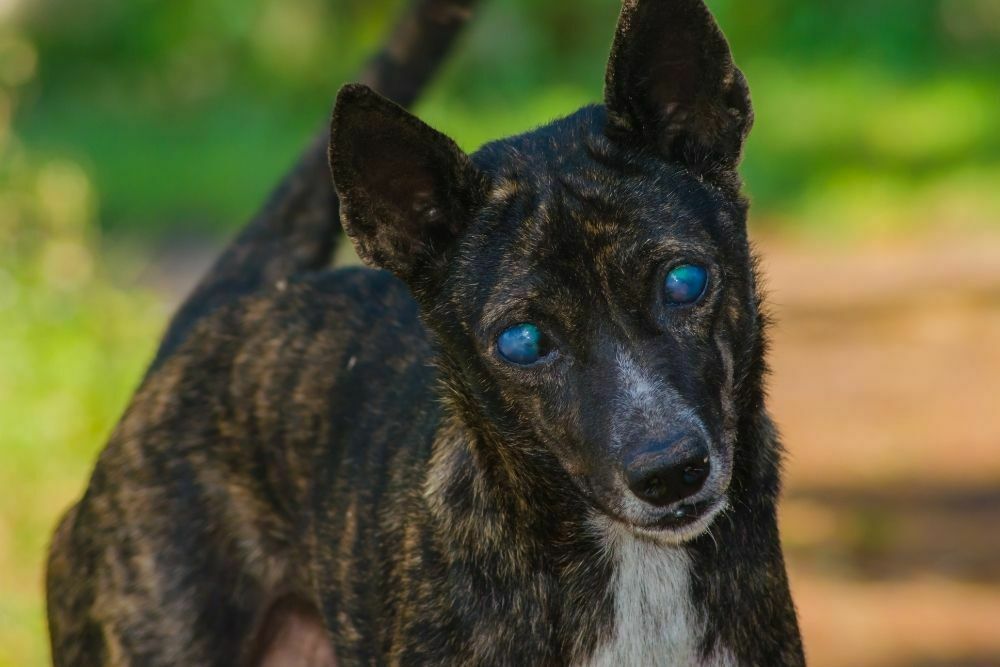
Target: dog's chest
[(655, 621)]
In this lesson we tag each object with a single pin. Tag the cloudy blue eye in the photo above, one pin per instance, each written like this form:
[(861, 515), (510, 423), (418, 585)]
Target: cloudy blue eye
[(685, 284), (522, 344)]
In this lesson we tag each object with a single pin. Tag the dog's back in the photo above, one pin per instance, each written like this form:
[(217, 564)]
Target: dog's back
[(272, 397)]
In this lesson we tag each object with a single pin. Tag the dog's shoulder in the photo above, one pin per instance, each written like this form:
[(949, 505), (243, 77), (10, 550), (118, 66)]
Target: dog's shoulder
[(353, 300), (297, 344), (311, 319)]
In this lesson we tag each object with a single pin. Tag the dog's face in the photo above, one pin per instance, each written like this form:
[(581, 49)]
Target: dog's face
[(608, 298), (590, 283)]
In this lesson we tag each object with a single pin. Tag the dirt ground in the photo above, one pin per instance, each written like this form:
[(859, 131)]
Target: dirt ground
[(886, 386)]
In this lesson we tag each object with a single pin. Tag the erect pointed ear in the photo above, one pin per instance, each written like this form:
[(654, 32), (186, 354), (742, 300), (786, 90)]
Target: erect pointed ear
[(671, 83), (406, 190)]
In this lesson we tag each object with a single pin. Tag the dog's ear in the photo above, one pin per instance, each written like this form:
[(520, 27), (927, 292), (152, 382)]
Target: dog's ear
[(406, 190), (671, 84)]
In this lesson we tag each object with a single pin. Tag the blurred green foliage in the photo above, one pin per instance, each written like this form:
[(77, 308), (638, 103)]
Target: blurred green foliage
[(143, 118), (73, 338), (185, 112)]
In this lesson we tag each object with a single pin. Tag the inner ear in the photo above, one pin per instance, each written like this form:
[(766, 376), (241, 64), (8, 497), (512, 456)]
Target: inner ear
[(409, 194), (406, 191), (672, 84)]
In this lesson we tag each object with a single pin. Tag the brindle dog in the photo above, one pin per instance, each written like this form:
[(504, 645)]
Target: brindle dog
[(537, 437)]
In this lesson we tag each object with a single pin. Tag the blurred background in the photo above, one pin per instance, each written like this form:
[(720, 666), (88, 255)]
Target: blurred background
[(136, 135)]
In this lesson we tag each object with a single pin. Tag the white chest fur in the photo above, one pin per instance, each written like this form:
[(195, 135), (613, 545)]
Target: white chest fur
[(656, 621)]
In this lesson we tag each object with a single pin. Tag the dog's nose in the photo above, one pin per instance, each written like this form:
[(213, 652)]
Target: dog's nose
[(664, 472)]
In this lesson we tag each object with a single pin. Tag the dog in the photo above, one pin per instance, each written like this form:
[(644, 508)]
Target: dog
[(533, 434)]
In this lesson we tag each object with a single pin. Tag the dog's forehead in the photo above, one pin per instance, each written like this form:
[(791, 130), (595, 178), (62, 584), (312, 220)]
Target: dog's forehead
[(563, 224), (567, 183), (567, 246), (569, 214)]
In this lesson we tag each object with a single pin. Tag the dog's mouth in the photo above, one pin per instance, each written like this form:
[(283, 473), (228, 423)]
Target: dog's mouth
[(673, 525), (679, 517), (679, 524)]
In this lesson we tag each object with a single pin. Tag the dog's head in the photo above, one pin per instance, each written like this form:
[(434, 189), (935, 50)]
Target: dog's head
[(589, 283)]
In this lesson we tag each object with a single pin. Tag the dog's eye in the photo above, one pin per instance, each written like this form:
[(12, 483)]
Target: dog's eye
[(523, 344), (685, 284)]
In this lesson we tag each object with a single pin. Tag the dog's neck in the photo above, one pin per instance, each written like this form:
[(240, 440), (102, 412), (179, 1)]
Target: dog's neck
[(493, 495), (507, 506), (656, 618)]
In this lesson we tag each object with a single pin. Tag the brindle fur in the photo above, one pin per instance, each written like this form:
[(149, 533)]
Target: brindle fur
[(344, 450)]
